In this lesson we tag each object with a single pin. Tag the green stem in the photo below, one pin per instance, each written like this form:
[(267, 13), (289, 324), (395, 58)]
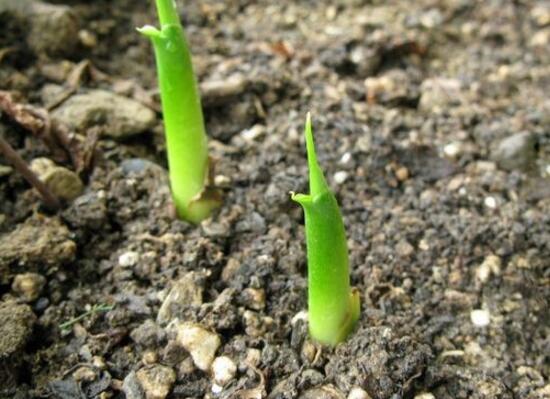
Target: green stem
[(333, 306), (167, 12), (186, 140)]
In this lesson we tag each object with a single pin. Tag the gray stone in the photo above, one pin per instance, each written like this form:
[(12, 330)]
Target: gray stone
[(517, 152), (39, 241), (216, 92), (118, 116), (185, 292), (16, 324), (53, 27), (131, 387), (438, 94), (147, 334)]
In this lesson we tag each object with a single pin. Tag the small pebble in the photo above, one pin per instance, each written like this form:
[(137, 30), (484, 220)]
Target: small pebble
[(404, 249), (491, 265), (340, 177), (541, 14), (5, 170), (224, 370), (119, 117), (423, 245), (490, 202), (358, 393), (346, 158), (199, 342), (99, 363), (62, 182), (452, 150), (425, 395), (84, 374), (216, 389), (253, 357), (127, 259), (254, 298), (480, 317), (253, 133), (149, 357), (156, 381), (402, 173), (222, 181), (87, 38), (28, 285), (309, 351), (516, 152), (130, 386), (185, 290)]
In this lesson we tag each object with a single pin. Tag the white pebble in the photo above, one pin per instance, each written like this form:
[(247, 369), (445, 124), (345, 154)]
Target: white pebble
[(129, 258), (216, 389), (345, 158), (480, 317), (452, 150), (224, 370), (491, 265), (423, 245), (425, 395), (221, 180), (358, 393), (253, 133), (340, 177), (490, 202)]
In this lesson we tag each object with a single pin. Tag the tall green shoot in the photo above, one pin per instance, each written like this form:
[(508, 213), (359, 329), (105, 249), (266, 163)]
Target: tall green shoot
[(186, 139), (333, 307)]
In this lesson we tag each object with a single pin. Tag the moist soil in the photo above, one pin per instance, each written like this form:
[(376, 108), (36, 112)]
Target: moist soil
[(432, 124)]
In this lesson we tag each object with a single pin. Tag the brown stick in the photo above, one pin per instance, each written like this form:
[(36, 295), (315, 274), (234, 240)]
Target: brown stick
[(21, 166)]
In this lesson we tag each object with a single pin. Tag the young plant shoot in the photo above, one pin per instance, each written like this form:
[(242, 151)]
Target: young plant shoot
[(333, 305), (186, 140)]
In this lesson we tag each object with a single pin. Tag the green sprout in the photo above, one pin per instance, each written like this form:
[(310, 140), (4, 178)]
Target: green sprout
[(97, 308), (333, 306), (186, 140)]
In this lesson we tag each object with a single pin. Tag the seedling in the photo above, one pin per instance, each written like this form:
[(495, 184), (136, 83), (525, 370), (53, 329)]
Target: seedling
[(186, 140), (333, 305)]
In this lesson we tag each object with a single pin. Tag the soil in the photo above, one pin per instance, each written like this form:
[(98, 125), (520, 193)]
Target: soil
[(432, 124)]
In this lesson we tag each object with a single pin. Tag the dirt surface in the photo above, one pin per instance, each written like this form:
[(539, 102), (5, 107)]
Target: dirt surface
[(432, 121)]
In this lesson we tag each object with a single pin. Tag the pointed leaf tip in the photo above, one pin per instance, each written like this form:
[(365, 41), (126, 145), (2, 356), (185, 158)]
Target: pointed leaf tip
[(317, 182)]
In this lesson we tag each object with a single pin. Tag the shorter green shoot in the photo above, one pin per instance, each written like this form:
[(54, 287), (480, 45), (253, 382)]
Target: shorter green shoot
[(333, 307), (186, 140)]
